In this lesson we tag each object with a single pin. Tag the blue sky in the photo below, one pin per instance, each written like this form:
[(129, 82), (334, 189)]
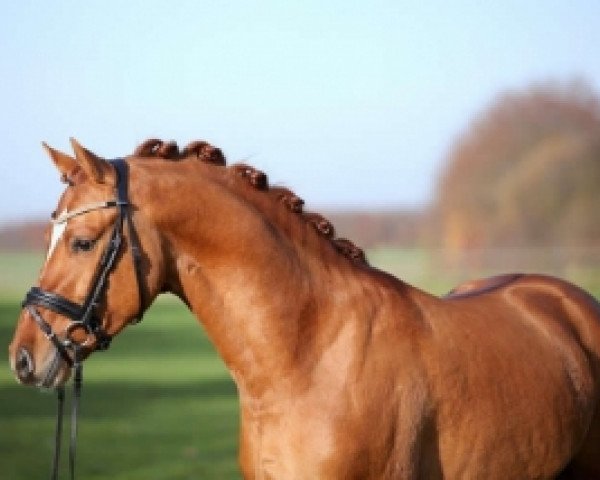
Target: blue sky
[(352, 104)]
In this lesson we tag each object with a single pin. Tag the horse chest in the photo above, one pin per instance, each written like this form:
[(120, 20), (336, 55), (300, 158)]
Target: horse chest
[(304, 441), (285, 445)]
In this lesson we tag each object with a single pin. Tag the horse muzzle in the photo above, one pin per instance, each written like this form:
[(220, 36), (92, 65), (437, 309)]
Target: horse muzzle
[(48, 372)]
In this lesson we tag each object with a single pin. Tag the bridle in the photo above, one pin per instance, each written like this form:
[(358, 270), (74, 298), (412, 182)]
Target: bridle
[(85, 317)]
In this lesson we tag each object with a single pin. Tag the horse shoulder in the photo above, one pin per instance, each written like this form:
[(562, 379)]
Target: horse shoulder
[(366, 400)]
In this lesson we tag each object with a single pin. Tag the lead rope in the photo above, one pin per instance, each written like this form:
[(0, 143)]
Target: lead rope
[(77, 384), (60, 391)]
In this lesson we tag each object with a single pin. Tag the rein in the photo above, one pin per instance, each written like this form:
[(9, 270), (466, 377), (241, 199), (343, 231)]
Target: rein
[(85, 317)]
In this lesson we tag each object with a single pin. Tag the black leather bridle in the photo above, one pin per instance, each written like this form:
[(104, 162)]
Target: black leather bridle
[(85, 317)]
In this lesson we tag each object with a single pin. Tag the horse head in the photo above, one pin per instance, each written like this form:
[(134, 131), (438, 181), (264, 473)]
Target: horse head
[(89, 287)]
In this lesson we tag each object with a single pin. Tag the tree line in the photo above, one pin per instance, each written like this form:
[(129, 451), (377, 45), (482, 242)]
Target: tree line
[(526, 172)]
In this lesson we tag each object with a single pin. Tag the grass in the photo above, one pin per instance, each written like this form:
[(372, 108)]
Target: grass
[(160, 404), (18, 271)]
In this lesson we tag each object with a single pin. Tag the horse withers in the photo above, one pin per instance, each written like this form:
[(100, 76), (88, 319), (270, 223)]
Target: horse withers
[(343, 371)]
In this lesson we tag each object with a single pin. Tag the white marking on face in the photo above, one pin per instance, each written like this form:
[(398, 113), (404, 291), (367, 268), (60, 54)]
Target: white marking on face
[(57, 231)]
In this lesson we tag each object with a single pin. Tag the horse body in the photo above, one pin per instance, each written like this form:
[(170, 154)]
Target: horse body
[(342, 370), (386, 397)]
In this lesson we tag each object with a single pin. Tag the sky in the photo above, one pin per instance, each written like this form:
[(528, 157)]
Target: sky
[(354, 105)]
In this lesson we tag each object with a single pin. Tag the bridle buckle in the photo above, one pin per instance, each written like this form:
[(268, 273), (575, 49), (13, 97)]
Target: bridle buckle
[(74, 327)]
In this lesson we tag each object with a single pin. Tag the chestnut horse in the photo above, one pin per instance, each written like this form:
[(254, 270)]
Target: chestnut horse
[(343, 371)]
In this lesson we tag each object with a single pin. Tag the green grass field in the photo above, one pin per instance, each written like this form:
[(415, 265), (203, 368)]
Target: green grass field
[(159, 404)]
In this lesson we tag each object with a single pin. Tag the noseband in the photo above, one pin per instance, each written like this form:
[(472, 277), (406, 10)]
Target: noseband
[(85, 317)]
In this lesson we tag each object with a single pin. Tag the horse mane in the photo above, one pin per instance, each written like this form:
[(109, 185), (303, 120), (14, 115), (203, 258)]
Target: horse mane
[(205, 152)]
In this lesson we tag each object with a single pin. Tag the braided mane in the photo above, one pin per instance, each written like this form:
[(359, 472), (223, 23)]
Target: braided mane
[(205, 152)]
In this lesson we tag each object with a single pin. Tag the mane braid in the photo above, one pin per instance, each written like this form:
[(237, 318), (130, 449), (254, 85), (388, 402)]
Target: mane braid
[(148, 148), (288, 198), (256, 178), (320, 223), (154, 147), (205, 152)]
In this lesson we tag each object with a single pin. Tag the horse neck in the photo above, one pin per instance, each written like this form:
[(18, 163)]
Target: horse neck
[(256, 290)]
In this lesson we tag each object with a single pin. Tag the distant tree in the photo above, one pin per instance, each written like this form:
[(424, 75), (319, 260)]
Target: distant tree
[(526, 172)]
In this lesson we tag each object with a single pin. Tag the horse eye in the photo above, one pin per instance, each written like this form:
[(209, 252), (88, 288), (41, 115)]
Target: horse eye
[(82, 245)]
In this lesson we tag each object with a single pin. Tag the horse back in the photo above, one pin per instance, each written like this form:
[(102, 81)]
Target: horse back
[(523, 350)]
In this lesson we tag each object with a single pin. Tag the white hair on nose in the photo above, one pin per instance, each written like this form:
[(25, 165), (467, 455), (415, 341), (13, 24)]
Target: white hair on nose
[(57, 232)]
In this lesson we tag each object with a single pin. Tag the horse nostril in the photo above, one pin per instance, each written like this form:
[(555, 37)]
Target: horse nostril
[(24, 365)]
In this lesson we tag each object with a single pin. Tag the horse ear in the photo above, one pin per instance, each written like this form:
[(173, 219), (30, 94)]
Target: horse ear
[(95, 168), (65, 164)]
